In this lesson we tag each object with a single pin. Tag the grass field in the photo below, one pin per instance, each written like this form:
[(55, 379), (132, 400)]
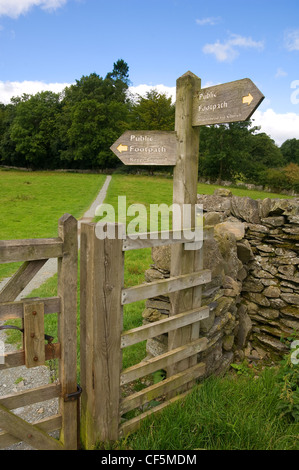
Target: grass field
[(32, 202), (223, 413)]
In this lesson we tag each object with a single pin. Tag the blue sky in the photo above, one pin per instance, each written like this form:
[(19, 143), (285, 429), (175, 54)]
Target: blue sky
[(51, 43)]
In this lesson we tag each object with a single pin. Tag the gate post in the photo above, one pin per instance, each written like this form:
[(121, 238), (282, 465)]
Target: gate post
[(67, 328), (101, 282)]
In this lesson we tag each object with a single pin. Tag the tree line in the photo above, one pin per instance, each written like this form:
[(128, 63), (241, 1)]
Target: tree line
[(76, 128)]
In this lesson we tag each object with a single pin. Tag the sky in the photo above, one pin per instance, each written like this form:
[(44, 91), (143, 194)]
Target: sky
[(49, 44)]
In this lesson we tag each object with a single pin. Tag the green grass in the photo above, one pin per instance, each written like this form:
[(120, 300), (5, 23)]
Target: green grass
[(241, 192), (230, 413), (32, 202)]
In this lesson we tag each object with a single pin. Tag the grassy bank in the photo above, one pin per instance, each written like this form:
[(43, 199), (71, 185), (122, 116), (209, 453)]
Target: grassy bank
[(229, 413)]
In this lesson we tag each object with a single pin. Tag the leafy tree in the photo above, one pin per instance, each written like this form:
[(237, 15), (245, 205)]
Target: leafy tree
[(34, 128), (263, 154), (223, 148), (155, 111), (236, 151), (292, 173), (8, 153), (120, 78), (290, 150), (94, 114), (281, 178)]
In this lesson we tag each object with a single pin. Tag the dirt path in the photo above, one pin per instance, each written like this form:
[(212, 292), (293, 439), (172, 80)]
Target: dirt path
[(18, 379)]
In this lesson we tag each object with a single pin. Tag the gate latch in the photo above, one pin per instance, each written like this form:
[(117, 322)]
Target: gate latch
[(73, 396), (13, 327)]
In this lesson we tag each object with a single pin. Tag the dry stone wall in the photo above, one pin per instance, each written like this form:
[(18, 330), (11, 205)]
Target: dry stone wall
[(254, 292)]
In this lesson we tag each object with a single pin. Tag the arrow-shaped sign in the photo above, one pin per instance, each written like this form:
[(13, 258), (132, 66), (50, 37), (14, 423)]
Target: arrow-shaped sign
[(230, 102), (146, 148)]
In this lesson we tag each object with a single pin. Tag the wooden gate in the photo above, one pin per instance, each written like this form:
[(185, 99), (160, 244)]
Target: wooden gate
[(102, 337), (35, 352)]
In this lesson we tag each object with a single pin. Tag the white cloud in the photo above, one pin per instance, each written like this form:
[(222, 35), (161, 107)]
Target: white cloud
[(291, 40), (211, 21), (143, 89), (222, 52), (10, 89), (279, 127), (229, 50), (15, 8), (168, 91), (280, 73)]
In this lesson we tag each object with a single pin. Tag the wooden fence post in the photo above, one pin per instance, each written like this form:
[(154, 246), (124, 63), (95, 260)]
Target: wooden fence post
[(67, 328), (101, 283), (185, 179)]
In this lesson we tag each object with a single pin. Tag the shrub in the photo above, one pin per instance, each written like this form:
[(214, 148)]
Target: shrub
[(288, 384), (274, 178), (281, 178)]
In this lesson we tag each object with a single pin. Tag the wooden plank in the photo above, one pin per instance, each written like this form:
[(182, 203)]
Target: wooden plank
[(26, 432), (20, 279), (13, 251), (151, 239), (165, 286), (28, 397), (184, 192), (16, 359), (133, 424), (101, 282), (163, 361), (34, 334), (47, 424), (138, 399), (67, 328), (9, 310), (157, 328)]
